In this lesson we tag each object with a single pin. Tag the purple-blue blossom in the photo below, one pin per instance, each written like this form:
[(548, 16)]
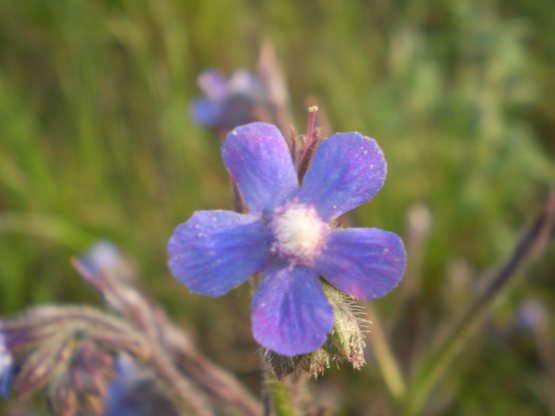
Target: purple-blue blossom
[(6, 368), (134, 392), (532, 316), (101, 257), (289, 236), (116, 403), (227, 102)]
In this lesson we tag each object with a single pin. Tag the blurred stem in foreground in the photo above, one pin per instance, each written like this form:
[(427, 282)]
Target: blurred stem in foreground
[(532, 242), (385, 358), (118, 286)]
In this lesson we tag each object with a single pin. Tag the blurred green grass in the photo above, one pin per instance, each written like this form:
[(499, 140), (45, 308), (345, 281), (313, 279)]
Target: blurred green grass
[(95, 141)]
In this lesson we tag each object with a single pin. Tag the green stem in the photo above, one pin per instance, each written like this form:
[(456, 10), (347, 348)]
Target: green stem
[(433, 368), (389, 368), (279, 396)]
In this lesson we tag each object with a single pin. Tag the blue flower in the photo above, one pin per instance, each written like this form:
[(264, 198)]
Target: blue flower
[(116, 401), (227, 103), (532, 316), (134, 392), (289, 236), (101, 257), (6, 368)]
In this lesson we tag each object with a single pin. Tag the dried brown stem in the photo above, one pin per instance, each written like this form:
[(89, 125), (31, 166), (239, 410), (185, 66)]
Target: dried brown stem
[(164, 335)]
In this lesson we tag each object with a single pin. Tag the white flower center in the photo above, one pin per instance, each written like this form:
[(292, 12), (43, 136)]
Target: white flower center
[(298, 231)]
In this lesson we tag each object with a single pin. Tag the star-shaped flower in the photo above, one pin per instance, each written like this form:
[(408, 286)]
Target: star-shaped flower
[(288, 235)]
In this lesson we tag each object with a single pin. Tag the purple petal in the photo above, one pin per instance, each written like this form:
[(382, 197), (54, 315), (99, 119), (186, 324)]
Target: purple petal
[(258, 159), (366, 263), (348, 170), (118, 397), (245, 83), (290, 313), (237, 109), (213, 83), (6, 368), (101, 257), (215, 251), (6, 377), (206, 112)]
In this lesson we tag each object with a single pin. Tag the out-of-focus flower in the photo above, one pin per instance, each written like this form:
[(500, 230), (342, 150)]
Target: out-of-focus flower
[(228, 102), (289, 236), (532, 316), (103, 257), (6, 367), (68, 352), (105, 268), (81, 384), (134, 392), (115, 397)]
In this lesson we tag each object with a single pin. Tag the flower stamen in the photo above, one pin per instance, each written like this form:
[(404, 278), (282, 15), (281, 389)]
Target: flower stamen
[(298, 231)]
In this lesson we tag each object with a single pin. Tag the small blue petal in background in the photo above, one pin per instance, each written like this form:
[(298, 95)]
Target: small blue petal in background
[(227, 103), (6, 368), (102, 256)]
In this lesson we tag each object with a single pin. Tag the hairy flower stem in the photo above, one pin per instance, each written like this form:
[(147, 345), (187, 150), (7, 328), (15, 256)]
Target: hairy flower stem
[(433, 367), (134, 306), (385, 358), (218, 383), (185, 394), (68, 328), (277, 400)]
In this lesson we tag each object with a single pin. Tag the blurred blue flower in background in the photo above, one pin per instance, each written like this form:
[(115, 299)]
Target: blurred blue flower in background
[(532, 316), (134, 392), (288, 235), (228, 102), (101, 257), (116, 402), (6, 367)]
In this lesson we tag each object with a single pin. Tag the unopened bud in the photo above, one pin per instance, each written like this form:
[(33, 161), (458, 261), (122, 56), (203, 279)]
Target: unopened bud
[(347, 339), (46, 360), (104, 259), (68, 352)]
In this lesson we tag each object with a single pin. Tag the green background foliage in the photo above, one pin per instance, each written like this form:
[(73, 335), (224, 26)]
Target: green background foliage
[(96, 142)]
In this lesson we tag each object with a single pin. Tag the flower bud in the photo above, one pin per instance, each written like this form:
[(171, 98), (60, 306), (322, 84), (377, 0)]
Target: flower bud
[(49, 358), (68, 352)]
